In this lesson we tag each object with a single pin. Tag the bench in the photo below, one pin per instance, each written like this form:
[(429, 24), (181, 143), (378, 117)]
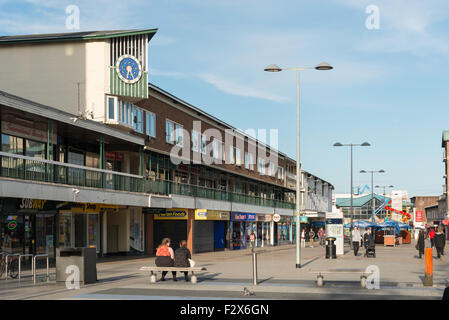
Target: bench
[(320, 275), (154, 270)]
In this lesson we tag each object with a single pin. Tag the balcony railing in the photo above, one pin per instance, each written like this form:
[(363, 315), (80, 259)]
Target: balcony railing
[(36, 169)]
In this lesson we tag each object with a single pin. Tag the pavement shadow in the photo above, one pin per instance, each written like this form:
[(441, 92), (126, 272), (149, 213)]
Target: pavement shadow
[(264, 280), (310, 261), (111, 279)]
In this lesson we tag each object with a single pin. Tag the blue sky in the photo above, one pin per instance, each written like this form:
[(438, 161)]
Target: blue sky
[(389, 86)]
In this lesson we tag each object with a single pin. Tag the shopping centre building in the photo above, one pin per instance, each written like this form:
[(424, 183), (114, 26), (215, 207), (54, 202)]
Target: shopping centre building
[(87, 157)]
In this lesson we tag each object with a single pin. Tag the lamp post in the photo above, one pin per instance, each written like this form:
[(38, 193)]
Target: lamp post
[(275, 68), (373, 201), (384, 194), (338, 144)]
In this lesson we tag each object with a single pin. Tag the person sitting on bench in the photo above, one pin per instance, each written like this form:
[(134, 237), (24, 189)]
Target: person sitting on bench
[(182, 256), (165, 257)]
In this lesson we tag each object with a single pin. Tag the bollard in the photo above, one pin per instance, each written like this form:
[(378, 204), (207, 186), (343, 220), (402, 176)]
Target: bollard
[(428, 275), (254, 259)]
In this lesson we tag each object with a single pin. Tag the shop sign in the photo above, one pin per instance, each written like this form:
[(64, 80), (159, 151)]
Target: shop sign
[(32, 204), (204, 214), (304, 219), (276, 217), (79, 207), (18, 130), (237, 216), (114, 156), (12, 225), (264, 217), (173, 214), (419, 216)]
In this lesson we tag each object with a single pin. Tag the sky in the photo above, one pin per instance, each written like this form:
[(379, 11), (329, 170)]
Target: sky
[(388, 86)]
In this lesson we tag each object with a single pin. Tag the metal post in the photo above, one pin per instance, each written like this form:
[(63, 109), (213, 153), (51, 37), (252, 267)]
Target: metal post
[(352, 208), (373, 202), (20, 264), (254, 259), (298, 180)]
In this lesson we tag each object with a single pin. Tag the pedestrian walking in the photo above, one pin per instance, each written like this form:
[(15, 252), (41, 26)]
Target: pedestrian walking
[(165, 257), (439, 242), (182, 258), (356, 238), (322, 235), (420, 245), (311, 236), (431, 236)]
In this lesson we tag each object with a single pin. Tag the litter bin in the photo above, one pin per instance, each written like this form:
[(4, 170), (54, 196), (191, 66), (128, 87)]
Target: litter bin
[(84, 258), (331, 249)]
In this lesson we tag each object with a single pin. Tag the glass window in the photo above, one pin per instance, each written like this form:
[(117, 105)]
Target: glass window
[(195, 142), (179, 134), (251, 161), (151, 124), (203, 144), (35, 149), (137, 119), (111, 108), (246, 160), (122, 109), (92, 232), (231, 155), (216, 146), (238, 159), (127, 109), (169, 132), (65, 230)]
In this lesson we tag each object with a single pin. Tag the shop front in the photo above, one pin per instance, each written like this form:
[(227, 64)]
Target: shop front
[(28, 226), (263, 222), (210, 229), (284, 230), (80, 224), (241, 227), (170, 224)]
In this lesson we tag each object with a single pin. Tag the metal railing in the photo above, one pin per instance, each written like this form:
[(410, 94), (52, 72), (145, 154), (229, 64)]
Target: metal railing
[(20, 264), (34, 266), (35, 169)]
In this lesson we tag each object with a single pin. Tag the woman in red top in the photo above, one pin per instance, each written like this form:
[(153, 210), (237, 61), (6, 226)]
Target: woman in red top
[(165, 257)]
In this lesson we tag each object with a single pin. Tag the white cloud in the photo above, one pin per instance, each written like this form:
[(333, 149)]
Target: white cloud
[(239, 89)]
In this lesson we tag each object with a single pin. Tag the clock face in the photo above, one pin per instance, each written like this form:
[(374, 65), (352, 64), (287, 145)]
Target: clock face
[(128, 69)]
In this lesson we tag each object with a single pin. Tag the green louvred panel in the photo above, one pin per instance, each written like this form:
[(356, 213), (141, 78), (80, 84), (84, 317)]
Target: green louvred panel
[(136, 90)]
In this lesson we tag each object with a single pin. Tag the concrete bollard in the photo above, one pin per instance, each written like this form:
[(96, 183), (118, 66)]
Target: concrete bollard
[(428, 275)]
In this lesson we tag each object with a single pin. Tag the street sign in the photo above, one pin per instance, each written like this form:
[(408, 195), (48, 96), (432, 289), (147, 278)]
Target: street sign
[(276, 217)]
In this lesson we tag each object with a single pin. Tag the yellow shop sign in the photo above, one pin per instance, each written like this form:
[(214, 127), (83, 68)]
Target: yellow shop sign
[(204, 214), (173, 214)]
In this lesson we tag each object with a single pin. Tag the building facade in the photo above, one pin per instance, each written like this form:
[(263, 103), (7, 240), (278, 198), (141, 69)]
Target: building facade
[(94, 155)]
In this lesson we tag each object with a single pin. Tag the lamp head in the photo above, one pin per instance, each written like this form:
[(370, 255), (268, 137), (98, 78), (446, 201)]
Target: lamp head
[(272, 68), (365, 144), (381, 171), (362, 171), (324, 66), (338, 144)]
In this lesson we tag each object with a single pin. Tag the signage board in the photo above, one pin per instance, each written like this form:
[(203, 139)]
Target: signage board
[(173, 214), (237, 216), (276, 217), (304, 219), (419, 216), (204, 214)]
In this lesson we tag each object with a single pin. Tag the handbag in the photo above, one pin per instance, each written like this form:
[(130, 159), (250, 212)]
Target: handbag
[(192, 263)]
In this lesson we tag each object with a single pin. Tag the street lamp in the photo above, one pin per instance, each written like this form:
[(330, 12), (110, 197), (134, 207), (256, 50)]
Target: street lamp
[(275, 68), (338, 144), (373, 201)]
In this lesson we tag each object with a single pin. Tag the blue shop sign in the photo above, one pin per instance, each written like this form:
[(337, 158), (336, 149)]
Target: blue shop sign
[(237, 216)]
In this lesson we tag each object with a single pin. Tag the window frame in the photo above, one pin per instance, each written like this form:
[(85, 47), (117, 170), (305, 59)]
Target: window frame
[(116, 111)]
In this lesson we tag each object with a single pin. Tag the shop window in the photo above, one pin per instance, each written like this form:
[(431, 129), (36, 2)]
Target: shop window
[(12, 144), (231, 155)]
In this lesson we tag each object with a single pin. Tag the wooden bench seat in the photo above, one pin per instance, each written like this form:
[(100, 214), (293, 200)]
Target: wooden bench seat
[(154, 270)]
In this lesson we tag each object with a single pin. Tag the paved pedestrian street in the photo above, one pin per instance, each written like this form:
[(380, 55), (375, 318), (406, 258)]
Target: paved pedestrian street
[(229, 272)]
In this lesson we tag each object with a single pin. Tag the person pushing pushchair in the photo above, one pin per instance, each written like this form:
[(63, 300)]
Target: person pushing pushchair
[(370, 248)]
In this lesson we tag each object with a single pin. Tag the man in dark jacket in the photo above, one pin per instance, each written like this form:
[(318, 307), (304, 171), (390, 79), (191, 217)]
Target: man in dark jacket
[(420, 244), (182, 256), (439, 242)]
